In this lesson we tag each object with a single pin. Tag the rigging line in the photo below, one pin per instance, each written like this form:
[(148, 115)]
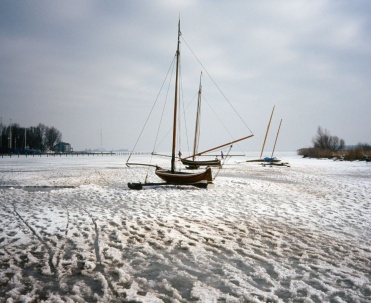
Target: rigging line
[(163, 109), (225, 128), (156, 145), (221, 122), (225, 160), (189, 103), (141, 132), (216, 85), (183, 103), (170, 129)]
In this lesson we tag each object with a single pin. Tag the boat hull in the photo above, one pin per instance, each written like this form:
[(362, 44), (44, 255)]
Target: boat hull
[(183, 178), (196, 164)]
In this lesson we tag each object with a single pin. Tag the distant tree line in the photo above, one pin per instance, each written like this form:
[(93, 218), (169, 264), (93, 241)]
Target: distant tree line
[(38, 138), (328, 146)]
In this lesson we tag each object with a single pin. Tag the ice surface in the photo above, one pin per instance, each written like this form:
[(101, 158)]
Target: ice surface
[(71, 231)]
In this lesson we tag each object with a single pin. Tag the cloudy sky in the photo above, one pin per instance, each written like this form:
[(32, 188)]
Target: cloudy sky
[(93, 69)]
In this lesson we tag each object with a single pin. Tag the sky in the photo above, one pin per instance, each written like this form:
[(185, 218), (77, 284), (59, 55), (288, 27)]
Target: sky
[(94, 69)]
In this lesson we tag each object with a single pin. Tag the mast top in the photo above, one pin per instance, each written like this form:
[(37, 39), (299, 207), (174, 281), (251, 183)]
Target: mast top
[(179, 32)]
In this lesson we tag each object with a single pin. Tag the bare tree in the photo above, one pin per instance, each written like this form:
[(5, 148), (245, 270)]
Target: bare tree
[(323, 140), (52, 137), (39, 138)]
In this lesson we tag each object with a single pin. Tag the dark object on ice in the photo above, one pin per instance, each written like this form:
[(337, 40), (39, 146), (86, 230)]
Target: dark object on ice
[(276, 164), (139, 186), (270, 159)]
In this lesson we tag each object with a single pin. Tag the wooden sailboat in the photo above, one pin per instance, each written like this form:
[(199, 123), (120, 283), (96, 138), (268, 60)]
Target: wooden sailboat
[(266, 133), (265, 140), (200, 179), (218, 147), (193, 163), (273, 161)]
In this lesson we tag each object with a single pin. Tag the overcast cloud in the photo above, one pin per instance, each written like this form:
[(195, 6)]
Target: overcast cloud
[(92, 68)]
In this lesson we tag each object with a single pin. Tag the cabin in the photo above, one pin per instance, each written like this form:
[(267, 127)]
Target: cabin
[(62, 147)]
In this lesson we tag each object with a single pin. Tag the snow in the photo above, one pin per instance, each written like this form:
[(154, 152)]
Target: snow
[(71, 231)]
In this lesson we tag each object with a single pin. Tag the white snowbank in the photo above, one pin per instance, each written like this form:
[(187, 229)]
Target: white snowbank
[(71, 231)]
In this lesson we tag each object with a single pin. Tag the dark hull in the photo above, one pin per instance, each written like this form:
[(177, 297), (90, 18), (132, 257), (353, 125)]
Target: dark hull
[(139, 186), (182, 178), (276, 164), (263, 160), (197, 164)]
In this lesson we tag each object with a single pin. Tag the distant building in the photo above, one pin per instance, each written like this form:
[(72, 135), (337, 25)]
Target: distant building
[(62, 147)]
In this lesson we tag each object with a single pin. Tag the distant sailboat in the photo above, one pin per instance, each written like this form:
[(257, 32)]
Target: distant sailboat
[(272, 160), (265, 140), (269, 160)]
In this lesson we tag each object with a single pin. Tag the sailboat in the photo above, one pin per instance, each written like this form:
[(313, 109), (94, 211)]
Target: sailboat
[(272, 160), (171, 176), (266, 159), (193, 163)]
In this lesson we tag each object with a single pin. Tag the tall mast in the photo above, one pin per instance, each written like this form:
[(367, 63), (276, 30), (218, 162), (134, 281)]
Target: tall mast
[(1, 133), (266, 134), (275, 142), (10, 134), (197, 128), (175, 102)]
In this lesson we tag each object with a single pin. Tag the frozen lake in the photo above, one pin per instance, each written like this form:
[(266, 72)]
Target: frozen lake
[(71, 231)]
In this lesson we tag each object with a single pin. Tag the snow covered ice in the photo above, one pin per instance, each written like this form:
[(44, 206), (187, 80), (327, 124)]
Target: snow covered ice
[(71, 231)]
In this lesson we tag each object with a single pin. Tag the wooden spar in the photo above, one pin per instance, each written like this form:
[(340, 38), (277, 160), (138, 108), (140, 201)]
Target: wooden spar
[(216, 155), (266, 134), (175, 103), (220, 146), (275, 142), (156, 154), (197, 127), (141, 164)]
